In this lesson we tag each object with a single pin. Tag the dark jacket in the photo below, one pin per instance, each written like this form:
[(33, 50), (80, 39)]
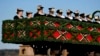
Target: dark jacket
[(16, 17), (37, 14), (50, 16)]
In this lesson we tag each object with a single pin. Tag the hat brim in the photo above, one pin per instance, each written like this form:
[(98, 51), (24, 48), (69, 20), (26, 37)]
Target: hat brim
[(20, 10), (40, 8)]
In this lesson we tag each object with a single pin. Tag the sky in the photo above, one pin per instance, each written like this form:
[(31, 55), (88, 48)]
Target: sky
[(8, 10)]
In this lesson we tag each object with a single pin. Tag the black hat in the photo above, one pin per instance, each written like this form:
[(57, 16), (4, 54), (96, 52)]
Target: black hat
[(59, 11), (82, 15), (69, 11), (76, 13), (18, 9), (87, 16), (40, 7), (52, 9), (27, 13)]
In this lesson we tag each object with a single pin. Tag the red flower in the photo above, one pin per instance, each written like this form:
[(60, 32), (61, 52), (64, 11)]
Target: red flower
[(68, 36), (56, 34), (69, 26), (89, 38), (56, 24), (79, 37), (90, 28), (38, 33), (98, 29), (98, 39), (79, 27), (30, 34), (45, 33)]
